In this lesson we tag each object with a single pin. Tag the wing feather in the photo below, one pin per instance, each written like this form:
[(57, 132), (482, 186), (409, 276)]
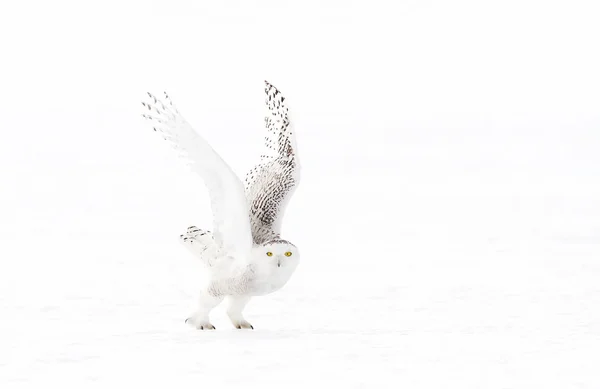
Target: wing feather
[(231, 225), (272, 182)]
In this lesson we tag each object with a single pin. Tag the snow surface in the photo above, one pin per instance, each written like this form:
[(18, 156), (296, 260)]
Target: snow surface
[(448, 214)]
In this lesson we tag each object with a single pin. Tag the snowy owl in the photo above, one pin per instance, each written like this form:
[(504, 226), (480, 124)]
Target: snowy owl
[(244, 254)]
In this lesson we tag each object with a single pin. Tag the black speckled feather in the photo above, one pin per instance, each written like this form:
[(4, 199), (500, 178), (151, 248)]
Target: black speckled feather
[(270, 185)]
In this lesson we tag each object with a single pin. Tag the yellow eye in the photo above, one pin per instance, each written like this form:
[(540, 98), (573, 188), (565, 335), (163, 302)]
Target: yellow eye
[(269, 254), (288, 254)]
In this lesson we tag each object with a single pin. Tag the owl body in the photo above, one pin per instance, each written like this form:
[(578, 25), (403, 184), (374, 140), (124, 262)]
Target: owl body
[(257, 275), (244, 254)]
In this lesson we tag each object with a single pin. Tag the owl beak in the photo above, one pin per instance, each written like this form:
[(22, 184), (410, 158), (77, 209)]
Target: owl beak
[(279, 263)]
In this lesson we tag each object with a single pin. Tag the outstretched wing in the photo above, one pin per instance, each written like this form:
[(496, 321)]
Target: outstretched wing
[(271, 183), (231, 227)]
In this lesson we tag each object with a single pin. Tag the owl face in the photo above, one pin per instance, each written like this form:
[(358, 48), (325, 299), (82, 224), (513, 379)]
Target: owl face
[(280, 253)]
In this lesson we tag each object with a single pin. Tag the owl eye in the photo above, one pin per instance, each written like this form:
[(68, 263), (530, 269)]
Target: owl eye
[(269, 254), (288, 254)]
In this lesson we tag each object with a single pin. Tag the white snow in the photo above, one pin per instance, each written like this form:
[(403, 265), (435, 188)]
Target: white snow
[(448, 215)]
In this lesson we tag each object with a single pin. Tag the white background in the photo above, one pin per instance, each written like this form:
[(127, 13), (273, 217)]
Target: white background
[(448, 214)]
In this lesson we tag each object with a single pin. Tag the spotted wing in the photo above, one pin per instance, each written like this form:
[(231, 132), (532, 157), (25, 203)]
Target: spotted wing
[(272, 182)]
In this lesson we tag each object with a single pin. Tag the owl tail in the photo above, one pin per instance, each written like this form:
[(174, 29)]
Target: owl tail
[(200, 243)]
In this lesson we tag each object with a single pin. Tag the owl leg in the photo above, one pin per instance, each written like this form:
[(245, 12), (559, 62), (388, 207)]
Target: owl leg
[(199, 319), (234, 311)]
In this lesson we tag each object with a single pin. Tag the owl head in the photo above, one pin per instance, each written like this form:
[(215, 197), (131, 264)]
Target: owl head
[(279, 253)]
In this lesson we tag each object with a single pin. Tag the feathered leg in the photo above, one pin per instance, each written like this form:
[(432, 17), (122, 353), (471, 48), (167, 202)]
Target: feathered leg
[(234, 311), (199, 319)]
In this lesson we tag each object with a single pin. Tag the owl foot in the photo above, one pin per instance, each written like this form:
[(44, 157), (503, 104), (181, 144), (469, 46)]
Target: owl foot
[(243, 325), (199, 324)]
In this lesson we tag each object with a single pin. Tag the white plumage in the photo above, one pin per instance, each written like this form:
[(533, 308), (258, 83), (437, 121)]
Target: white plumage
[(244, 253)]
